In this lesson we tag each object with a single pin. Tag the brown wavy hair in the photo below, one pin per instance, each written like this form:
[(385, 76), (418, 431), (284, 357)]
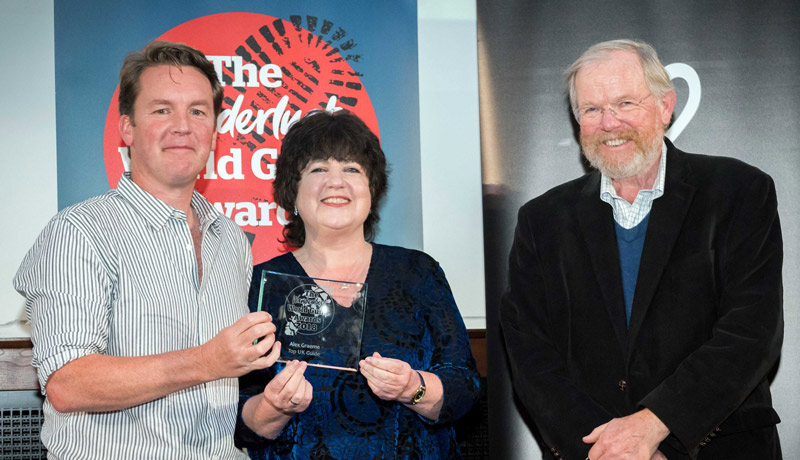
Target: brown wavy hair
[(163, 53)]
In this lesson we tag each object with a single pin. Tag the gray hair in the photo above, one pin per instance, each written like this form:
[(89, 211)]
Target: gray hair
[(655, 75)]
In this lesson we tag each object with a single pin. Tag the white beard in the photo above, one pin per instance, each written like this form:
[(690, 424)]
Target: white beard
[(645, 154)]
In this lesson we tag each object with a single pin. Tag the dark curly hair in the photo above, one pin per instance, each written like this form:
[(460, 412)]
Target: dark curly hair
[(322, 135)]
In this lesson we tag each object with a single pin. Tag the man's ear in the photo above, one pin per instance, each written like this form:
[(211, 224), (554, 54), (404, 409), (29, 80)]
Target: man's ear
[(125, 126), (667, 106)]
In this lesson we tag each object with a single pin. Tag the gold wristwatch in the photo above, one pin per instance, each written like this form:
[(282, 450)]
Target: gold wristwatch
[(420, 393)]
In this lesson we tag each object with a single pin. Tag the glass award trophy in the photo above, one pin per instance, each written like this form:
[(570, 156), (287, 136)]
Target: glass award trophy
[(318, 321)]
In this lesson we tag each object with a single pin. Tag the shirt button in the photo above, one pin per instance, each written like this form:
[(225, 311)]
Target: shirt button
[(623, 385), (188, 247)]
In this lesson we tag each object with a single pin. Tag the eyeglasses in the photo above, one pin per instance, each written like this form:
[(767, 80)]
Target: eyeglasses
[(622, 110)]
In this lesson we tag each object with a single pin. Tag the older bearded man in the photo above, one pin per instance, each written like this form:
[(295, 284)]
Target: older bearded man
[(644, 306)]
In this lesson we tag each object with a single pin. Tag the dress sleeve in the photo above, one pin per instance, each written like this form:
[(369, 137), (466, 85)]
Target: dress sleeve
[(250, 385), (452, 359), (68, 291)]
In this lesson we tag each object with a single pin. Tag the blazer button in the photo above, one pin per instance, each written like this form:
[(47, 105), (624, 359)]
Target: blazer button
[(702, 444), (623, 385)]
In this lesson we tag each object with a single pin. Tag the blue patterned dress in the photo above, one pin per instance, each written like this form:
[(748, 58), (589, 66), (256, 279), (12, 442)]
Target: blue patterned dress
[(411, 315)]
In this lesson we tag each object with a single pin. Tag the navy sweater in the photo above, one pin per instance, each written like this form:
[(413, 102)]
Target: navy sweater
[(630, 243)]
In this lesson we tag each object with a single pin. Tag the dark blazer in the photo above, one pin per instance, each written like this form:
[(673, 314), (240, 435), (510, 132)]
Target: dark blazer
[(707, 319)]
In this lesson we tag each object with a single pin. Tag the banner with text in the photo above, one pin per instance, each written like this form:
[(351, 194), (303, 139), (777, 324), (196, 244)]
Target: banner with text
[(275, 65)]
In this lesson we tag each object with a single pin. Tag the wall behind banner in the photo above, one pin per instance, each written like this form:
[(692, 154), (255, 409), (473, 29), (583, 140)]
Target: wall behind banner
[(28, 151), (745, 57)]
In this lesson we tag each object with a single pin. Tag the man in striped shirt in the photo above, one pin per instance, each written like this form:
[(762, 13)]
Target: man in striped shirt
[(138, 298)]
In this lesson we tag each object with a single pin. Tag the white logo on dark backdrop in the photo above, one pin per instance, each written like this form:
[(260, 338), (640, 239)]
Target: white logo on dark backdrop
[(680, 70)]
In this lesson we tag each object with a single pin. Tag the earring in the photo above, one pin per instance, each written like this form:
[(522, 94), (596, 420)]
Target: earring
[(295, 210)]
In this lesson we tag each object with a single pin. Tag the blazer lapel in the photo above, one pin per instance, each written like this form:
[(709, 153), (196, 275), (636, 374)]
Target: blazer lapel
[(596, 222), (666, 219)]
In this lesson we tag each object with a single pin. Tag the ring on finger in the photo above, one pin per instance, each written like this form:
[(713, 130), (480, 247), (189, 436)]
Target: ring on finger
[(294, 403)]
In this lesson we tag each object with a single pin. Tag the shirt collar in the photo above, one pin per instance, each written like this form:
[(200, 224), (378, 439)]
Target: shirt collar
[(157, 213)]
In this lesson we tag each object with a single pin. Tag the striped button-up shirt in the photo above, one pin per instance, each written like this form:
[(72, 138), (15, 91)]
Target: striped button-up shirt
[(117, 275), (629, 215)]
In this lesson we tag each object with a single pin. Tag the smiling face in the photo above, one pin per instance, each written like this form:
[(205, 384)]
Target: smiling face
[(333, 195), (627, 143), (173, 129)]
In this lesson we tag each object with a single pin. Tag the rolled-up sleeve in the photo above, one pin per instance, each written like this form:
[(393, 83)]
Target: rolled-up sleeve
[(68, 295)]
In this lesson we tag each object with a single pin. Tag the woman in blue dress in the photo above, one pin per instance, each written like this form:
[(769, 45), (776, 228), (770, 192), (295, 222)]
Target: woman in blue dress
[(416, 374)]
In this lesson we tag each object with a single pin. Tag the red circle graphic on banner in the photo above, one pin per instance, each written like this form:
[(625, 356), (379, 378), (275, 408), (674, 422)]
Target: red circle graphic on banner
[(273, 72)]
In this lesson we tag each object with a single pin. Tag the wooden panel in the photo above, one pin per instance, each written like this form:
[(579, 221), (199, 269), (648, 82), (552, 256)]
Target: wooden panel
[(477, 339), (16, 372)]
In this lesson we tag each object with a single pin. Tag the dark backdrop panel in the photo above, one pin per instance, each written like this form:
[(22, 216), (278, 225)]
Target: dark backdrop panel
[(746, 55)]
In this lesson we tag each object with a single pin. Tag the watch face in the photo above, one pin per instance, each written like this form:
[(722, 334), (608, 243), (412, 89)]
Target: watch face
[(418, 395)]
